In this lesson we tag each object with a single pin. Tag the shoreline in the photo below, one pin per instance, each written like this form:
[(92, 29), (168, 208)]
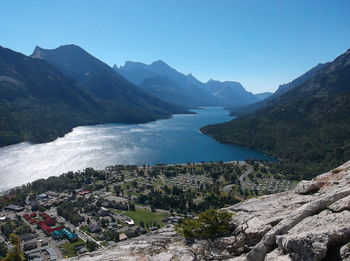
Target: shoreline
[(240, 162)]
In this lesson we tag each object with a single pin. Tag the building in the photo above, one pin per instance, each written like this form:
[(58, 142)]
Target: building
[(30, 245), (42, 196), (58, 234), (94, 228), (72, 237), (84, 192), (15, 208), (48, 230)]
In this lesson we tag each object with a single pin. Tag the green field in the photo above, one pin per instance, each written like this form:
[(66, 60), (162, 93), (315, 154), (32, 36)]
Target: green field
[(68, 248), (145, 215)]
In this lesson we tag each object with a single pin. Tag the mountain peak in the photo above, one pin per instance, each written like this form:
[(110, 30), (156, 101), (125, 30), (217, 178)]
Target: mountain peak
[(160, 62), (69, 49)]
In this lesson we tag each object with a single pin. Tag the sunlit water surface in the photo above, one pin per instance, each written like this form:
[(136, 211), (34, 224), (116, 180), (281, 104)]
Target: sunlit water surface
[(175, 140)]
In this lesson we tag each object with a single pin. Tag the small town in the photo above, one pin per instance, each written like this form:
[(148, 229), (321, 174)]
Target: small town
[(80, 212)]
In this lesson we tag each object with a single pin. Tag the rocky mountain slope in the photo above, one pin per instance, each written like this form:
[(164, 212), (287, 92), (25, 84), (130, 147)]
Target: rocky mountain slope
[(309, 223)]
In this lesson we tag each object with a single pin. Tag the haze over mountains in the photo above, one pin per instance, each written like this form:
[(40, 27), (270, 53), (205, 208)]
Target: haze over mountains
[(166, 83), (306, 126)]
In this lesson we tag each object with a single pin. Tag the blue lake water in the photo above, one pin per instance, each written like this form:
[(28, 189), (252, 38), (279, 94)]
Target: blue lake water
[(175, 140)]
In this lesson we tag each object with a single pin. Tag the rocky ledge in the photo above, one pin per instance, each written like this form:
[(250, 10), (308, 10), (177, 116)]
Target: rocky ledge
[(308, 223)]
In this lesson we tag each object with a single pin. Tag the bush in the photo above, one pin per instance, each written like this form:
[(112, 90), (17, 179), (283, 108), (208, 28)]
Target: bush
[(208, 225)]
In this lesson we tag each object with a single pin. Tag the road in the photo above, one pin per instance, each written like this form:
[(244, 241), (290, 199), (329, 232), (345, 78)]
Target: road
[(249, 169), (245, 174)]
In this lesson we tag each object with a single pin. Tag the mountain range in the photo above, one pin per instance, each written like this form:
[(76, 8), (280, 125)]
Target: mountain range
[(283, 88), (124, 101), (306, 125), (44, 96), (172, 86)]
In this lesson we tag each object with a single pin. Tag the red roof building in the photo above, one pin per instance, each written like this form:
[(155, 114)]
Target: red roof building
[(48, 230), (50, 221), (84, 192)]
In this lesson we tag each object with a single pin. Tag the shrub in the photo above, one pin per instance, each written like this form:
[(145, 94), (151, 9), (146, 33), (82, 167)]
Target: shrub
[(208, 225)]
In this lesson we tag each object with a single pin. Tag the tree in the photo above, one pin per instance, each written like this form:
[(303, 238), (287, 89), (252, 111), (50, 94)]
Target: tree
[(91, 246), (209, 224), (15, 253), (3, 249)]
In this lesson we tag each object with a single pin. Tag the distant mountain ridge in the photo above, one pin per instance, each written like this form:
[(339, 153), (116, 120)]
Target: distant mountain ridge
[(40, 100), (192, 91), (264, 95), (300, 80), (228, 90), (124, 101), (282, 89), (307, 127)]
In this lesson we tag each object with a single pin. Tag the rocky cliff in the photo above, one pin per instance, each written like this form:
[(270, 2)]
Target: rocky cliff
[(308, 223)]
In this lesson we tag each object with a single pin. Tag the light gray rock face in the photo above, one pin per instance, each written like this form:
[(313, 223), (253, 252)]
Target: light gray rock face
[(164, 245), (309, 223), (307, 187), (345, 252), (310, 238)]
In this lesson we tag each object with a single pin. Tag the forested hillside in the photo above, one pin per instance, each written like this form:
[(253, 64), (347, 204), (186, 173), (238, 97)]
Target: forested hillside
[(307, 127), (38, 103)]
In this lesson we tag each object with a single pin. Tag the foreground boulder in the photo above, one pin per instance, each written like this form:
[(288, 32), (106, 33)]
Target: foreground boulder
[(309, 223)]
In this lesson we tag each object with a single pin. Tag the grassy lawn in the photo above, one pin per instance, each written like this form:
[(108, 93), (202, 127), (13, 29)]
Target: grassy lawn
[(105, 244), (68, 248), (85, 229), (145, 216)]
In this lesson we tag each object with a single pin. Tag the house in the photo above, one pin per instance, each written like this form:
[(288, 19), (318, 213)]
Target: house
[(82, 250), (103, 212), (122, 237), (78, 247), (15, 208), (27, 237), (30, 245), (131, 233), (153, 228), (94, 228), (42, 196), (84, 192)]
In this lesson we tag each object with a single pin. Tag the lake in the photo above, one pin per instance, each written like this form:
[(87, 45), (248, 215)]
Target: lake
[(175, 140)]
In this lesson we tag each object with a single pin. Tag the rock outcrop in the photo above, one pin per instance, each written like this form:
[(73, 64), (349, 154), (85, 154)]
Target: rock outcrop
[(309, 223)]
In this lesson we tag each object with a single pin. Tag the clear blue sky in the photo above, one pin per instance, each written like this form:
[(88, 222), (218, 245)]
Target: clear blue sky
[(260, 43)]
